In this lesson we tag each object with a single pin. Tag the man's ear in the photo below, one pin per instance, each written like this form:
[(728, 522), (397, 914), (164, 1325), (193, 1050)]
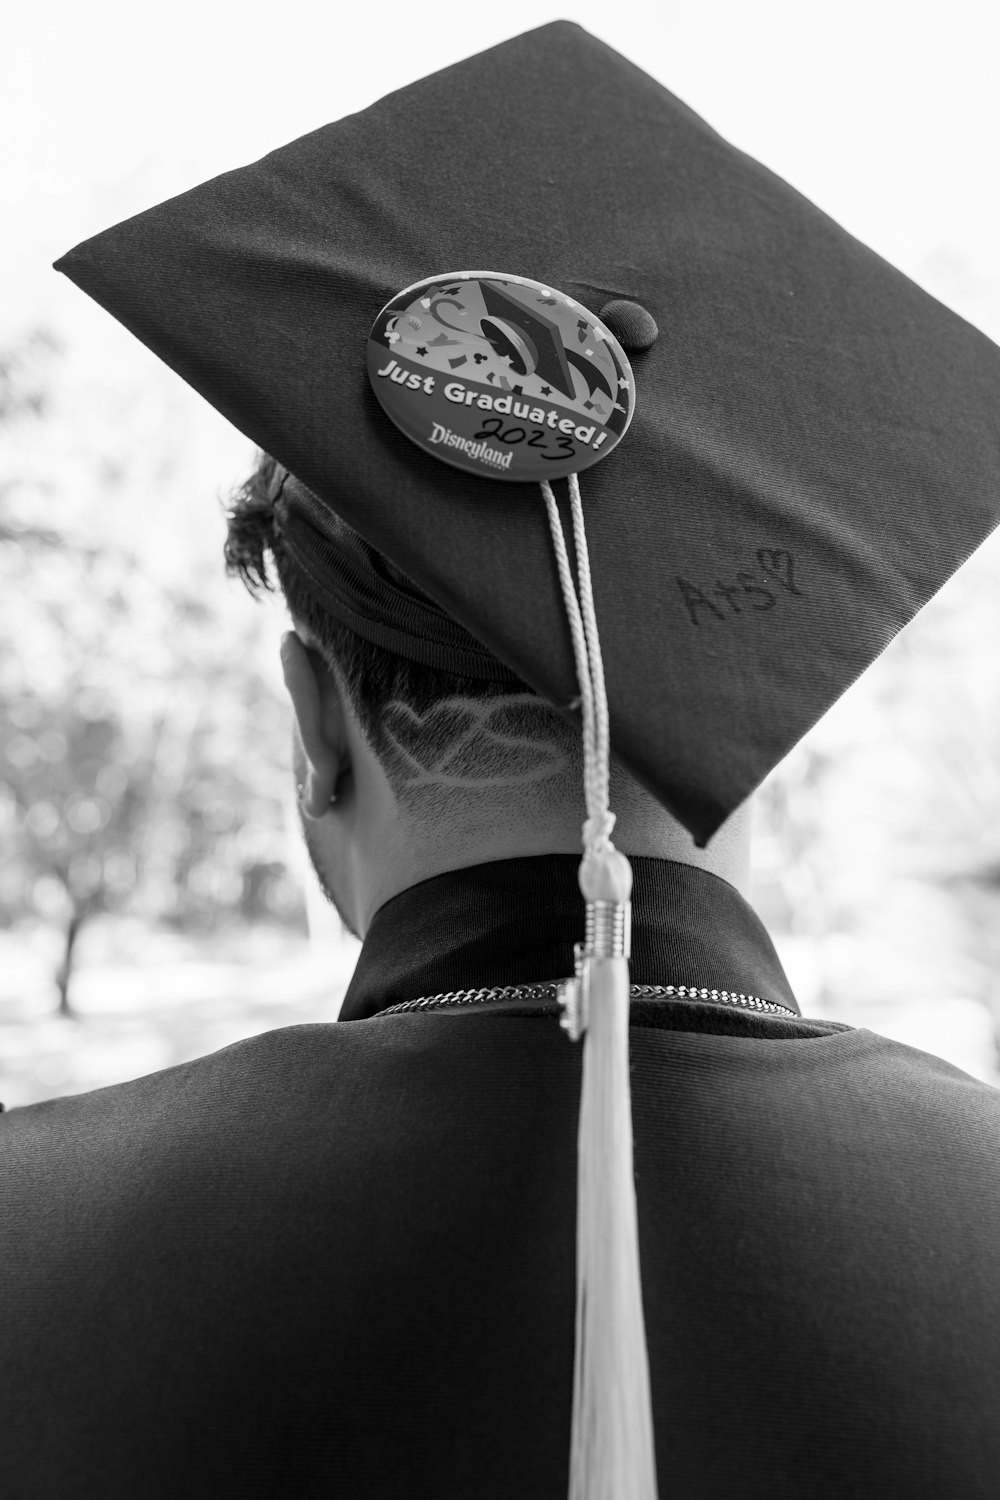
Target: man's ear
[(319, 715)]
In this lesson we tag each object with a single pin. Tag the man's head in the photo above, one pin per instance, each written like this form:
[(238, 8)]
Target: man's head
[(407, 770)]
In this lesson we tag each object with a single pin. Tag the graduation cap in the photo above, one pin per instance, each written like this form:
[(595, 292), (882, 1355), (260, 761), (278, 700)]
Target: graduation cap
[(798, 447)]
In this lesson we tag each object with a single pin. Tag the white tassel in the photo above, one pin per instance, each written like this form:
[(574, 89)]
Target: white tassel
[(612, 1454), (612, 1447)]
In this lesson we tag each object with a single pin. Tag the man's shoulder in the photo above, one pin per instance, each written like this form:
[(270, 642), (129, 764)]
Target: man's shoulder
[(819, 1067), (262, 1067), (268, 1092), (214, 1098)]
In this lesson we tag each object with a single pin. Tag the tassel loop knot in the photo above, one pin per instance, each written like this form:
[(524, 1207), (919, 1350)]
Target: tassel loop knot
[(597, 831), (606, 875)]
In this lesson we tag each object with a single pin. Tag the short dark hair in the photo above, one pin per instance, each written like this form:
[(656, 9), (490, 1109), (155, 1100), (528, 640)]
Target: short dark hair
[(374, 677)]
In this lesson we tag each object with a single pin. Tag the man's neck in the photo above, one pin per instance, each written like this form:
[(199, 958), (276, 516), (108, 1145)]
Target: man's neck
[(416, 853)]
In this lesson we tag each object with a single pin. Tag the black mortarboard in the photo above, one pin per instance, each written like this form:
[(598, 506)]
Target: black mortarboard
[(815, 443), (814, 448)]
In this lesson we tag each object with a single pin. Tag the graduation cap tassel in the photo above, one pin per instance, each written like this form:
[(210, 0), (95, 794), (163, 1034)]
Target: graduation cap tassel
[(611, 1448)]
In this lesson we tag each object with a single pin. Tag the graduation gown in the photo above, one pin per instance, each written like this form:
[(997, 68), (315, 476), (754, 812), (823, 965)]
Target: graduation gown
[(337, 1260)]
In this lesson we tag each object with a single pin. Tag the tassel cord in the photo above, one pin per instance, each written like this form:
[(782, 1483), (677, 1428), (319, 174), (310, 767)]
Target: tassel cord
[(597, 802), (582, 619)]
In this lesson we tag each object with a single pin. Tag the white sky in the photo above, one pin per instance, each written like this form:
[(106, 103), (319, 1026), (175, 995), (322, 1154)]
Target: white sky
[(884, 112)]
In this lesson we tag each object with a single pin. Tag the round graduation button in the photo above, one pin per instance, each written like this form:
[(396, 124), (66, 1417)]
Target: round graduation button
[(500, 375)]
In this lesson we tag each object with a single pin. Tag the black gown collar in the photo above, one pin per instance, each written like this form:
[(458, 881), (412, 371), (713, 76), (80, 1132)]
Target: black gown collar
[(515, 921)]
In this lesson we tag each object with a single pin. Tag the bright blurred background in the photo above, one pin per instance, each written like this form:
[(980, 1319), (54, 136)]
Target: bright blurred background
[(154, 903)]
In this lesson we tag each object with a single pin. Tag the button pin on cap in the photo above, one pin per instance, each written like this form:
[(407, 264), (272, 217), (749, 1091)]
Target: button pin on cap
[(633, 327), (501, 375)]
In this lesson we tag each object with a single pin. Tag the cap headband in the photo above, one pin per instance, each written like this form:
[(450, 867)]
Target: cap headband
[(363, 591)]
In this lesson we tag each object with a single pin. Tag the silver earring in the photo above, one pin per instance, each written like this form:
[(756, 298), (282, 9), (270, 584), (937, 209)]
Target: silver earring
[(300, 790)]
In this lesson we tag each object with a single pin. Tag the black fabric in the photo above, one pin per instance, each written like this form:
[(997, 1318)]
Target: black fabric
[(816, 441), (336, 1260), (515, 921), (361, 589)]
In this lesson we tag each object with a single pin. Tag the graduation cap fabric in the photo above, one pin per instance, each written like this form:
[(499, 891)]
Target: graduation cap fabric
[(815, 444)]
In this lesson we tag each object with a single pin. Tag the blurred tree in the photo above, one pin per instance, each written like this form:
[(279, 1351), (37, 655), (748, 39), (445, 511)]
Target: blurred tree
[(141, 749), (75, 804), (24, 372)]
